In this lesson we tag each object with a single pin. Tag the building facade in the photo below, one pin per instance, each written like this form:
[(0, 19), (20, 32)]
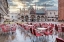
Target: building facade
[(31, 15), (40, 15), (52, 15), (3, 9)]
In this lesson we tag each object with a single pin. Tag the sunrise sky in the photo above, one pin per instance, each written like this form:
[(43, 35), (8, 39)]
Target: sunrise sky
[(49, 4)]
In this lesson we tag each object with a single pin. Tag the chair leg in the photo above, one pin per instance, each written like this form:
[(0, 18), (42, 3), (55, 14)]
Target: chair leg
[(45, 39)]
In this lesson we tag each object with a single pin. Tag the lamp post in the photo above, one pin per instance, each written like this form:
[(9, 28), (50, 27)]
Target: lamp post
[(45, 13), (24, 7)]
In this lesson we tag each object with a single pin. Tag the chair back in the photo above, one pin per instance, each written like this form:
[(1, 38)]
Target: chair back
[(56, 27), (59, 40), (62, 29)]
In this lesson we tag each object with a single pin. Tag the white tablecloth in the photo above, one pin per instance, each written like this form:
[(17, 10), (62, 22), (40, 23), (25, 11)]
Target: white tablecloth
[(41, 28)]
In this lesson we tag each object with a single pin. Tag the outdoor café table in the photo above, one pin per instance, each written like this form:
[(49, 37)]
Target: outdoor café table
[(25, 25), (30, 26), (41, 29)]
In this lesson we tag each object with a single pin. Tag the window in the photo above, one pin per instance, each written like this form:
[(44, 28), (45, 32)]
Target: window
[(56, 18), (38, 17), (22, 17), (42, 16), (0, 17), (54, 12), (50, 13), (49, 19), (22, 20), (18, 18), (26, 18), (52, 19)]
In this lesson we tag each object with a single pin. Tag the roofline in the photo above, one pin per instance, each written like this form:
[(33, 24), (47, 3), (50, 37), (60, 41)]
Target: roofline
[(51, 10)]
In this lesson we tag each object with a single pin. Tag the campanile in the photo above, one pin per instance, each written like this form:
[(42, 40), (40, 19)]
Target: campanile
[(61, 10)]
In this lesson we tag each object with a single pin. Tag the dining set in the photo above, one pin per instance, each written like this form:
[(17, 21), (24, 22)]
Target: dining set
[(45, 29), (6, 29), (40, 32)]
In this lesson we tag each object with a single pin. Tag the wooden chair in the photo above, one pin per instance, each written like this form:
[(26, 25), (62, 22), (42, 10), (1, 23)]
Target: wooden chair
[(59, 40)]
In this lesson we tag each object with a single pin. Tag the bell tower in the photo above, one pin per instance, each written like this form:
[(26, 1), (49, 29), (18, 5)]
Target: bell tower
[(61, 10)]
